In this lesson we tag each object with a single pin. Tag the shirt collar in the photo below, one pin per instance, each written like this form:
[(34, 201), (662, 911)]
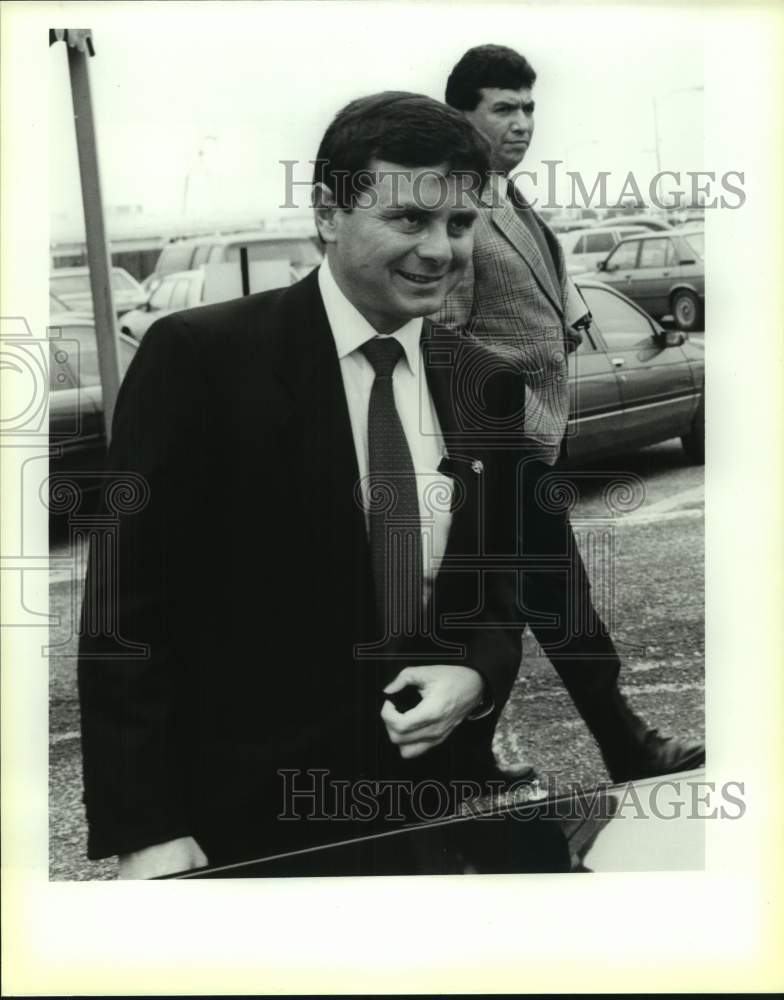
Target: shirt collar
[(350, 328)]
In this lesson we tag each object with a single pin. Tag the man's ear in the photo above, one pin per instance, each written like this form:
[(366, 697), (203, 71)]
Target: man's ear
[(326, 211)]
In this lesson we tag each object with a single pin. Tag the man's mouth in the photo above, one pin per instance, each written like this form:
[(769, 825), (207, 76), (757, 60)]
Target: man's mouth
[(421, 279)]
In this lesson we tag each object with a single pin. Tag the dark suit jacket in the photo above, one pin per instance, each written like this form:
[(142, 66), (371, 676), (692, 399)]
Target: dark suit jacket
[(246, 573)]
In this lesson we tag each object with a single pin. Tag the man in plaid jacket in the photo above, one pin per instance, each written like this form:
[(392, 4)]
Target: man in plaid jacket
[(517, 297)]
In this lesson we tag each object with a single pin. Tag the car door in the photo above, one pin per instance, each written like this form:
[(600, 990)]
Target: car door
[(595, 406), (658, 389), (619, 267), (651, 283)]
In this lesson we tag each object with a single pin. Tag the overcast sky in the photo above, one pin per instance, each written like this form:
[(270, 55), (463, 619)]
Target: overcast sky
[(252, 84)]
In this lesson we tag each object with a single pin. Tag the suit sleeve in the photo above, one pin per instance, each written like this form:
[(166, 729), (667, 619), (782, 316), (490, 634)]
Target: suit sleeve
[(132, 667), (494, 644)]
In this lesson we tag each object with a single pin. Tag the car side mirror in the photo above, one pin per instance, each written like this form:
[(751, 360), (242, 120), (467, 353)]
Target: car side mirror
[(670, 338)]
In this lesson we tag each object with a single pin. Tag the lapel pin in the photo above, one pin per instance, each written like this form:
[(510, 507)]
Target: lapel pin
[(477, 467)]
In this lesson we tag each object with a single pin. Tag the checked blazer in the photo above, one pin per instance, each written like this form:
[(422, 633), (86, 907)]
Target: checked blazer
[(509, 301)]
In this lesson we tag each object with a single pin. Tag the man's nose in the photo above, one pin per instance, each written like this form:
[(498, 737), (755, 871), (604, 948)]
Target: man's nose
[(521, 121), (435, 245)]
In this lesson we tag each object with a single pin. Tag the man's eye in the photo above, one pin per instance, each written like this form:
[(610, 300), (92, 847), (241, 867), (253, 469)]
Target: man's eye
[(410, 219), (461, 225)]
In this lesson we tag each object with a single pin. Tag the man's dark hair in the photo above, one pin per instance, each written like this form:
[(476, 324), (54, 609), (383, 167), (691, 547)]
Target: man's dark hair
[(487, 66), (402, 128)]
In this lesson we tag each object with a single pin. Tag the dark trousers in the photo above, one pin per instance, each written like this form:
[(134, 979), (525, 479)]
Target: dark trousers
[(557, 595)]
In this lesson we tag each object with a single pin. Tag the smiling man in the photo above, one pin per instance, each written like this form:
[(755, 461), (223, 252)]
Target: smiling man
[(517, 297), (304, 624)]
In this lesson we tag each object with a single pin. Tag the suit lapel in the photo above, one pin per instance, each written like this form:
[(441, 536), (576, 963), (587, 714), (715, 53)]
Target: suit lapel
[(510, 225)]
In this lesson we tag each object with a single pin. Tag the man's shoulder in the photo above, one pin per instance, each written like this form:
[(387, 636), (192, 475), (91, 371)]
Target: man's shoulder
[(256, 320)]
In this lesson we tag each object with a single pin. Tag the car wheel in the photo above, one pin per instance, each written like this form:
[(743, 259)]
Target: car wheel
[(686, 310), (694, 442)]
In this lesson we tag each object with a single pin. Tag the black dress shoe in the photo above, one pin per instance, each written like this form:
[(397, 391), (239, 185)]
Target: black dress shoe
[(633, 750), (658, 755)]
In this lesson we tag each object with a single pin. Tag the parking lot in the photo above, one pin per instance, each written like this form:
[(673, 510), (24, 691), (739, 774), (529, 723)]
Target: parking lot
[(652, 527)]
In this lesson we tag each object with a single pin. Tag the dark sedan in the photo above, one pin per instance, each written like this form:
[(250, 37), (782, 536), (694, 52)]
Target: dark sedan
[(633, 383), (663, 273)]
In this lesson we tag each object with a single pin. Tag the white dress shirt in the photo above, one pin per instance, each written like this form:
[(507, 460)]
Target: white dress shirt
[(414, 406)]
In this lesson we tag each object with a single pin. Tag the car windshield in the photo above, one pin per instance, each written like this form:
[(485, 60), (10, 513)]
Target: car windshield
[(697, 243)]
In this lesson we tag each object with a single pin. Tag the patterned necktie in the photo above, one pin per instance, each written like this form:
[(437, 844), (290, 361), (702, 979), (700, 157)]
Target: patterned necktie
[(395, 532)]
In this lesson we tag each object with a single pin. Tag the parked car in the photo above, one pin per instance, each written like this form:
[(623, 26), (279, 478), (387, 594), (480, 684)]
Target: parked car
[(585, 248), (76, 431), (646, 221), (180, 290), (71, 285), (632, 382), (663, 273), (300, 250)]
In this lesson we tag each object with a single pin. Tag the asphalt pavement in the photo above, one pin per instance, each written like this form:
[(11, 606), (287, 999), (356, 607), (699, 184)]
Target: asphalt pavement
[(640, 523)]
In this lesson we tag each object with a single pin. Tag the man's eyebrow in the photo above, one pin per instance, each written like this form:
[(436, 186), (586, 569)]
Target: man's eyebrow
[(527, 106)]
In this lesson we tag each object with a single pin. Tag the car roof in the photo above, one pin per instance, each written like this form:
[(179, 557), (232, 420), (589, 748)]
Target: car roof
[(242, 235), (633, 220), (600, 230)]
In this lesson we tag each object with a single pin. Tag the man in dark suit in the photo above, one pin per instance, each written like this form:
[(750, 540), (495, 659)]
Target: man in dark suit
[(517, 297), (318, 463)]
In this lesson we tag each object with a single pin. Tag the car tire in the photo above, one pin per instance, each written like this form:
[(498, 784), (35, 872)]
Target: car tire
[(686, 310), (694, 442)]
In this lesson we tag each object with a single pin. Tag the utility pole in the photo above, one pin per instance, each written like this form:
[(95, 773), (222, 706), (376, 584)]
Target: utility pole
[(80, 48)]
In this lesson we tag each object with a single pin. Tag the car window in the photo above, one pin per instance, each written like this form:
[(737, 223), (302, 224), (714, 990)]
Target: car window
[(174, 257), (696, 242), (179, 298), (625, 255), (621, 325), (201, 255), (579, 246), (654, 253), (162, 294), (216, 253), (599, 242)]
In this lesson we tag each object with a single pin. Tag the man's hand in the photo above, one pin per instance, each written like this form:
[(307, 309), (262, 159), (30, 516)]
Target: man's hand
[(162, 859), (449, 694)]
